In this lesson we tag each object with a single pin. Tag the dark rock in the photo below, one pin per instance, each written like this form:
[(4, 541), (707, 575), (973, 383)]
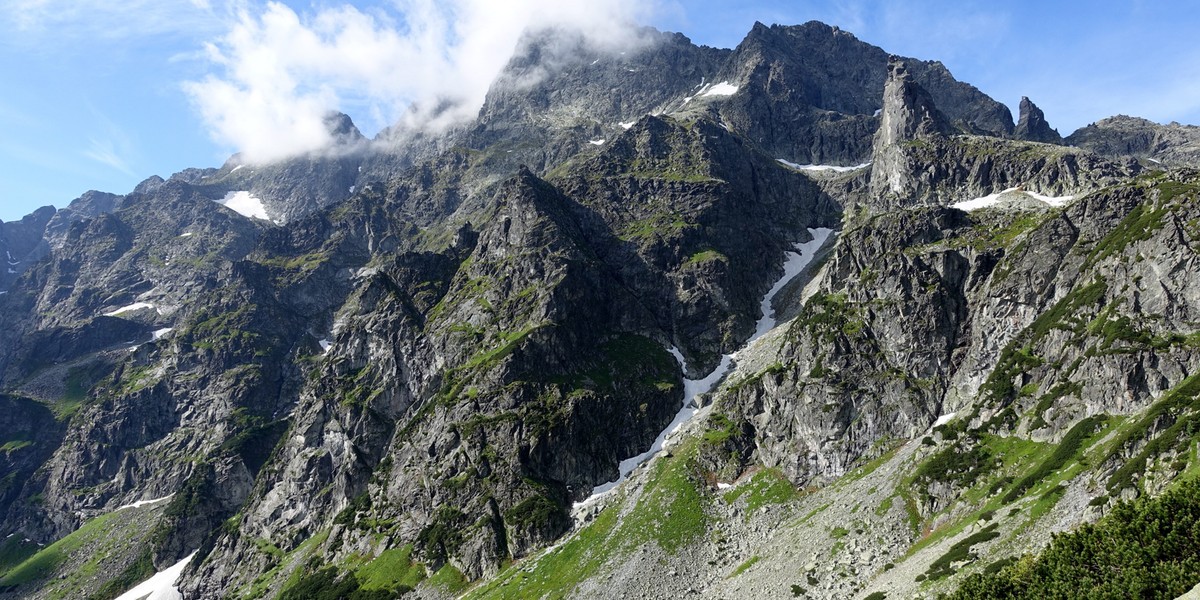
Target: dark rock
[(1032, 125)]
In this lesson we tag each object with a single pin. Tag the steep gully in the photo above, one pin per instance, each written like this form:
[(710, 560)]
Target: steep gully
[(794, 264)]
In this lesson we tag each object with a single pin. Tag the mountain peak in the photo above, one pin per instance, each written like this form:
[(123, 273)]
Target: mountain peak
[(908, 110), (908, 115), (1032, 124), (342, 128)]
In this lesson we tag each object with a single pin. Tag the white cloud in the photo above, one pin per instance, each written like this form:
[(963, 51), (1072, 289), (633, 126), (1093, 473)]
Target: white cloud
[(280, 72)]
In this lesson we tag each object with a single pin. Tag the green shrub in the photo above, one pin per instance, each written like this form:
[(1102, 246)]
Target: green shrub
[(1148, 548)]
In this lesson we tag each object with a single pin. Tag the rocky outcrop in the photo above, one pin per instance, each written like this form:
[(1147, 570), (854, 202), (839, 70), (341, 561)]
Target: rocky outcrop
[(908, 119), (918, 159), (1159, 145), (1032, 125)]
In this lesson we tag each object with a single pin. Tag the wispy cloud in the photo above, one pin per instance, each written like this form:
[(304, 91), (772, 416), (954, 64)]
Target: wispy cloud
[(111, 146), (940, 30), (280, 71), (106, 152), (100, 19)]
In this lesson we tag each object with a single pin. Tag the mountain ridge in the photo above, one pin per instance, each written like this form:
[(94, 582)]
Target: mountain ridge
[(405, 387)]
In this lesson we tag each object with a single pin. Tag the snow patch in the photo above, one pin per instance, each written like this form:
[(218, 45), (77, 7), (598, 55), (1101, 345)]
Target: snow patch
[(4, 292), (596, 142), (627, 125), (325, 345), (942, 420), (161, 586), (352, 189), (1153, 160), (131, 308), (187, 234), (723, 486), (877, 112), (1055, 201), (691, 389), (721, 89), (996, 198), (794, 263), (245, 204), (159, 333), (141, 503), (834, 168), (12, 271), (235, 169)]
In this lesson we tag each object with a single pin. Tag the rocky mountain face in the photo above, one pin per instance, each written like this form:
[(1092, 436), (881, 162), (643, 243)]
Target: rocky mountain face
[(812, 94), (23, 243), (411, 365), (919, 158)]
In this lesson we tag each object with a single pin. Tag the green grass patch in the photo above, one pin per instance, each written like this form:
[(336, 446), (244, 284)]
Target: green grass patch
[(449, 579), (42, 565), (104, 539), (671, 512), (864, 470), (138, 571), (1182, 402), (14, 445), (705, 257), (392, 569), (15, 550), (766, 486), (1066, 450), (742, 568), (884, 506), (1138, 225), (959, 552), (667, 225), (1046, 502)]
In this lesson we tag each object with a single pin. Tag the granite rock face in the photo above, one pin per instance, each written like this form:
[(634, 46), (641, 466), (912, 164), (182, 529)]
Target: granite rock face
[(1032, 125)]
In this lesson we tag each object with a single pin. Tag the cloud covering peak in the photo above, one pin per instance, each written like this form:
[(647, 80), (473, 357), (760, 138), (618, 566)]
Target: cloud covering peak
[(278, 72)]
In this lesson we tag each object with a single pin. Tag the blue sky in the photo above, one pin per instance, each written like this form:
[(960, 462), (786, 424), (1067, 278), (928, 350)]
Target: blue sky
[(100, 95)]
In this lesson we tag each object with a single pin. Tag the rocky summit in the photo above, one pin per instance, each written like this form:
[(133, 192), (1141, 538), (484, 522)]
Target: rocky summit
[(799, 319)]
